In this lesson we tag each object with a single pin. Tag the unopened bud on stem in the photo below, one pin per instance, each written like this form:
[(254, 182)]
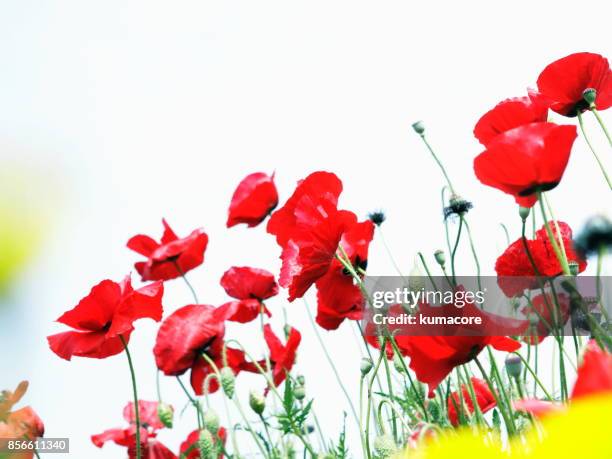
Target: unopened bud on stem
[(440, 257)]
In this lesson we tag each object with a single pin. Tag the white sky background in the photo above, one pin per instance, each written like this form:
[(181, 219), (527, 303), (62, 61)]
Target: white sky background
[(138, 110)]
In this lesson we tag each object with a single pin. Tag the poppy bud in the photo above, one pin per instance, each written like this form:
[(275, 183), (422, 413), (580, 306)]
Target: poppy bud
[(299, 392), (384, 445), (524, 212), (211, 421), (574, 268), (301, 380), (165, 413), (419, 127), (440, 257), (589, 94), (366, 366), (257, 402), (514, 365), (416, 281), (377, 217), (228, 381), (206, 444), (398, 363)]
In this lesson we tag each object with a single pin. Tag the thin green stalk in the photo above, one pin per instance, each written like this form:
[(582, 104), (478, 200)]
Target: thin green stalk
[(273, 389), (473, 248), (135, 392), (588, 142), (509, 425), (193, 292), (551, 237), (331, 363), (369, 405), (601, 123), (435, 157), (453, 253)]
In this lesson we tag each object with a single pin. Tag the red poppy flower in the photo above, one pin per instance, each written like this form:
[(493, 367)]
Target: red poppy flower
[(242, 311), (245, 283), (282, 357), (310, 252), (563, 82), (253, 200), (189, 448), (151, 448), (515, 270), (484, 398), (549, 316), (432, 358), (185, 335), (526, 159), (338, 297), (104, 316), (23, 423), (594, 373), (509, 114), (318, 186), (594, 378), (172, 256)]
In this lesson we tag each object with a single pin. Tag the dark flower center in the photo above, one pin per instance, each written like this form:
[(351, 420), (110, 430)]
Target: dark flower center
[(539, 187)]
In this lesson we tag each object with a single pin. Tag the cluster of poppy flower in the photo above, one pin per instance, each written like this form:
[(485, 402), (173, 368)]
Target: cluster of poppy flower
[(326, 248)]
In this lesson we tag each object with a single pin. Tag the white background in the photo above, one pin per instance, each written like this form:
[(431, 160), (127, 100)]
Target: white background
[(130, 111)]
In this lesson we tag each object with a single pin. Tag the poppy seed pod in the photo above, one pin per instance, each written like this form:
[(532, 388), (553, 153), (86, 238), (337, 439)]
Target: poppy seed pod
[(366, 366), (377, 217), (206, 444), (457, 206), (384, 445), (165, 413), (589, 95), (257, 402), (301, 380), (299, 392), (416, 280), (524, 212), (574, 268), (211, 421), (419, 127), (514, 365), (228, 381), (440, 257)]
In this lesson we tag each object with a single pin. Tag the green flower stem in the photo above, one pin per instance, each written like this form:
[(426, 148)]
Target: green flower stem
[(588, 142), (473, 249), (435, 157), (273, 389), (361, 429), (556, 225), (193, 401), (551, 237), (193, 292), (507, 419), (420, 400), (390, 385), (424, 263), (479, 416), (506, 233), (369, 405), (454, 252), (389, 253), (331, 363), (135, 392), (601, 123), (212, 363)]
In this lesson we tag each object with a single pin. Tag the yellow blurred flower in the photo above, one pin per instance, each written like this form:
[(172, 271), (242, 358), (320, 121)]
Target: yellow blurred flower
[(581, 431)]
